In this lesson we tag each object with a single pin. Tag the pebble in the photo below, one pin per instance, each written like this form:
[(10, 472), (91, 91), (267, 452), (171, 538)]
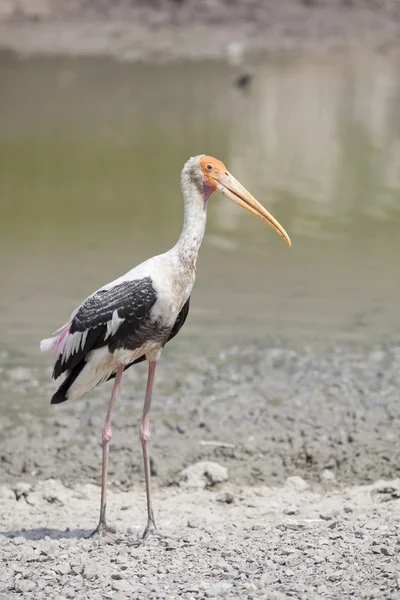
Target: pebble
[(217, 589), (225, 498), (328, 475), (122, 586), (63, 568), (203, 474), (22, 488), (336, 576), (297, 483), (92, 570), (291, 510), (24, 585)]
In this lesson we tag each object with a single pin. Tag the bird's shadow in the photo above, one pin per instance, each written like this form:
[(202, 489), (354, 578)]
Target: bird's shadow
[(39, 533)]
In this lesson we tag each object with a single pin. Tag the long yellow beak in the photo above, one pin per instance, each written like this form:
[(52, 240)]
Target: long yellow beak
[(232, 189)]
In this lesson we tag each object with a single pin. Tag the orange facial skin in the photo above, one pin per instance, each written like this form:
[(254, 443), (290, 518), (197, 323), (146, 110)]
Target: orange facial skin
[(212, 170)]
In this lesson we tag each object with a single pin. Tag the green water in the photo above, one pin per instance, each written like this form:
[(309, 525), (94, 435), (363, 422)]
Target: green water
[(90, 157)]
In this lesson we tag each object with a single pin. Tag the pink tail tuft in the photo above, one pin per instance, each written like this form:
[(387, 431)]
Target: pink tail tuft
[(56, 344)]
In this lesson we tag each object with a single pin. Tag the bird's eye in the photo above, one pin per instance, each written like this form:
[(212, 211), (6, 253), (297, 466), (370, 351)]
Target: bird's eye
[(209, 167)]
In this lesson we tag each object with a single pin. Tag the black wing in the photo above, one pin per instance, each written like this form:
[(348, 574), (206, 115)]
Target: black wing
[(130, 302), (180, 320)]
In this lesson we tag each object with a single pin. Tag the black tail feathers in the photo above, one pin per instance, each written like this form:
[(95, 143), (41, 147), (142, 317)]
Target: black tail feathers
[(61, 393)]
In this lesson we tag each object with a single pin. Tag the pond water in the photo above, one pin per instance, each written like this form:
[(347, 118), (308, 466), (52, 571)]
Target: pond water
[(90, 158)]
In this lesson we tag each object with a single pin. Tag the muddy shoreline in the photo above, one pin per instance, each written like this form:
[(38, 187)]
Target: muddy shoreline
[(173, 30), (273, 412)]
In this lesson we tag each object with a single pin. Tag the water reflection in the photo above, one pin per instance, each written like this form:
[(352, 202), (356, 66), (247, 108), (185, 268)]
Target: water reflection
[(90, 154), (327, 131)]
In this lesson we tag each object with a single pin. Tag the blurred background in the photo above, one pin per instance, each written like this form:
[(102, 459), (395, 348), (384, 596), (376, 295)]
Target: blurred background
[(91, 150), (101, 104)]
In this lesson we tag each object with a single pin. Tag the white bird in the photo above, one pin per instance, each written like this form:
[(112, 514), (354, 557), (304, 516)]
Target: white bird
[(133, 317)]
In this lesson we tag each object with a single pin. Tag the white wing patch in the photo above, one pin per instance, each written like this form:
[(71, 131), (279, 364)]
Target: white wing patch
[(114, 324), (73, 343)]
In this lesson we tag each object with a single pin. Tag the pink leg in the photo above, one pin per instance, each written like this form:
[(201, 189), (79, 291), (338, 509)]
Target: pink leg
[(151, 528), (101, 528)]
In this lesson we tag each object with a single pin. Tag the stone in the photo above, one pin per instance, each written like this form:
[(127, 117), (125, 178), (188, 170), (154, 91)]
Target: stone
[(225, 498), (328, 475), (296, 483), (203, 474), (24, 585), (22, 488)]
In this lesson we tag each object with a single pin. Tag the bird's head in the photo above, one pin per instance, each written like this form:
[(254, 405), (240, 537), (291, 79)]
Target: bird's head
[(210, 174)]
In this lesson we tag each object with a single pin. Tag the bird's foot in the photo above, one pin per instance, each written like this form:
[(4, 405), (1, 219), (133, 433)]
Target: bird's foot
[(104, 533), (151, 531)]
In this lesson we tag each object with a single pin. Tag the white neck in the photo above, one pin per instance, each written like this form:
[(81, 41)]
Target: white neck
[(194, 222)]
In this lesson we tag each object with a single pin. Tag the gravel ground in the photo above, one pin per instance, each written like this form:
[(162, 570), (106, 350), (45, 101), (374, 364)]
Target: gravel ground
[(301, 498), (262, 542)]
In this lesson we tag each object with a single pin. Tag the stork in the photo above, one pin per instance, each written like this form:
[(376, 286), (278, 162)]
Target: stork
[(132, 318)]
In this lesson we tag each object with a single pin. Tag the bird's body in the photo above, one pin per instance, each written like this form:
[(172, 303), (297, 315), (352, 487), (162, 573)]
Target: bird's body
[(131, 318), (125, 320)]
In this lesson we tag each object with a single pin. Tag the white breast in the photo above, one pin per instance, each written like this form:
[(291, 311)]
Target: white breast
[(173, 285)]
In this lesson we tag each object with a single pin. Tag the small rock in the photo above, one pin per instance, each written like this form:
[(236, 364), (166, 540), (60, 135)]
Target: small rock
[(329, 516), (250, 586), (318, 559), (193, 588), (203, 474), (328, 475), (122, 586), (335, 576), (193, 523), (296, 483), (24, 585), (92, 570), (386, 551), (225, 498), (22, 488), (63, 568), (54, 492), (293, 562), (17, 541), (291, 510), (218, 589)]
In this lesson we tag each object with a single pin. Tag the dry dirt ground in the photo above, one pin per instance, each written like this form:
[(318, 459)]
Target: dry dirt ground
[(305, 502), (193, 29), (261, 542)]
